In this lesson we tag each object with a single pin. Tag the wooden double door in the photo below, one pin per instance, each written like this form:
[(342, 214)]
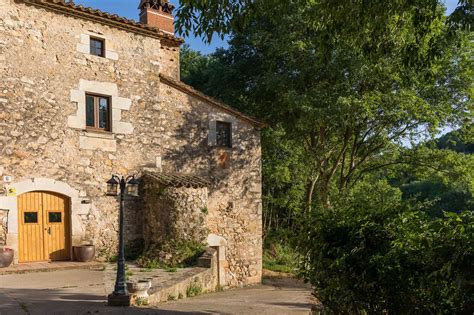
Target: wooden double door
[(44, 227)]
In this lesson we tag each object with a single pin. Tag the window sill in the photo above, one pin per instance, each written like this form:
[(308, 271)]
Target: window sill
[(223, 148), (93, 133)]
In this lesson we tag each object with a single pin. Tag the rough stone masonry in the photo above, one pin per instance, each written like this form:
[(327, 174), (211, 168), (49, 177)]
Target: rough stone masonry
[(155, 121)]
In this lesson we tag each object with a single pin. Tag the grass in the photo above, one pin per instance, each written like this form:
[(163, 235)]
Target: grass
[(128, 274)]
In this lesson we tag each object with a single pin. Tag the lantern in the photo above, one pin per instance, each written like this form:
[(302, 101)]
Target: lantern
[(112, 187), (132, 187)]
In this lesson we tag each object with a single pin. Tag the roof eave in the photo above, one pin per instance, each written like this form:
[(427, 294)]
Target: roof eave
[(105, 18), (208, 100)]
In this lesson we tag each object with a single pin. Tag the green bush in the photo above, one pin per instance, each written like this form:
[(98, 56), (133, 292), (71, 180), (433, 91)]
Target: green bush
[(373, 254), (172, 254), (279, 254)]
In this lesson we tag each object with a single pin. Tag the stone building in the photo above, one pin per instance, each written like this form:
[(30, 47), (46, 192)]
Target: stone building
[(84, 95)]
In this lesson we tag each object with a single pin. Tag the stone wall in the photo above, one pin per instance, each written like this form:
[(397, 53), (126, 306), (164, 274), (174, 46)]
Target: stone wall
[(174, 213), (42, 75), (3, 227)]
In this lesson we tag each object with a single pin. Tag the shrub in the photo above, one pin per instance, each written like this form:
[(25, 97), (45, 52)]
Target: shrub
[(171, 255), (373, 254), (194, 289), (279, 254)]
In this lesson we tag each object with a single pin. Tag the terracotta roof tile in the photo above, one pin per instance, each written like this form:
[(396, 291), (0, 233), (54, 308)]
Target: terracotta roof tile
[(99, 16), (203, 97)]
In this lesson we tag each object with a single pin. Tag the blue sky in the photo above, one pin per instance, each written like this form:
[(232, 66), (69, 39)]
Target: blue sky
[(128, 9)]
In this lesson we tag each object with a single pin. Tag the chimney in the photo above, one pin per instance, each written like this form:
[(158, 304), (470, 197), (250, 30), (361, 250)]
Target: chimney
[(157, 13)]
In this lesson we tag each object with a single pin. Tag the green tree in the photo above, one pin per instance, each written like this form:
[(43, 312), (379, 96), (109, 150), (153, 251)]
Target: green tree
[(345, 92)]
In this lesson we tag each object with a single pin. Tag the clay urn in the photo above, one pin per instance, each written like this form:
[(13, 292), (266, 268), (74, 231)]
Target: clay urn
[(84, 253), (6, 257)]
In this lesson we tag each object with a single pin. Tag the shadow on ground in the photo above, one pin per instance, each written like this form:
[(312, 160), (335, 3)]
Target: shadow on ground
[(57, 302)]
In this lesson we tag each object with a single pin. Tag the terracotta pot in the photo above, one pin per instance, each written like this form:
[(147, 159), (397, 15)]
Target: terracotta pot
[(6, 257), (84, 253)]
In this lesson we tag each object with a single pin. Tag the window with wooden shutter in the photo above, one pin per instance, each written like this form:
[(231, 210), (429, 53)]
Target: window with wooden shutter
[(223, 134)]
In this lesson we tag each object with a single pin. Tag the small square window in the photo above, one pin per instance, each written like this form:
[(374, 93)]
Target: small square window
[(98, 112), (55, 217), (31, 217), (224, 134), (97, 47)]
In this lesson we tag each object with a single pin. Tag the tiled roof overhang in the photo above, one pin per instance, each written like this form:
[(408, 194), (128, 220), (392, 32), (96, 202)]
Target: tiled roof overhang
[(177, 179), (60, 6), (225, 108)]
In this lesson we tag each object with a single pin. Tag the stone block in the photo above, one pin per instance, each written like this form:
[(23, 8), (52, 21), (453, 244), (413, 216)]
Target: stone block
[(104, 88), (109, 54), (82, 48), (122, 127), (92, 143), (121, 103), (85, 39)]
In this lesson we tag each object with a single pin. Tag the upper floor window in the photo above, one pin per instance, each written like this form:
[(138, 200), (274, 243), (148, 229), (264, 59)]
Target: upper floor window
[(97, 47), (98, 112), (223, 134)]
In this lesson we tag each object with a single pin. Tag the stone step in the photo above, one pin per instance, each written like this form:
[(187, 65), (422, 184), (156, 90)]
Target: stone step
[(49, 266)]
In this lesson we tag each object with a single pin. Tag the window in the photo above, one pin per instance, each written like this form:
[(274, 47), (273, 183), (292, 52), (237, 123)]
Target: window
[(54, 217), (98, 112), (97, 46), (31, 217), (224, 134)]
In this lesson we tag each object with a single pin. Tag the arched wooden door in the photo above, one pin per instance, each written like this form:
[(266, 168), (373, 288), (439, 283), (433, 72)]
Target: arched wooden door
[(43, 222)]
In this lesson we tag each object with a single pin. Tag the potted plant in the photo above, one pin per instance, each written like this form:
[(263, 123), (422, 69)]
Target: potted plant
[(6, 257), (84, 253)]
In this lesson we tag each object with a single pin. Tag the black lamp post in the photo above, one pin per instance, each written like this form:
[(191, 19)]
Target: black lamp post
[(128, 186)]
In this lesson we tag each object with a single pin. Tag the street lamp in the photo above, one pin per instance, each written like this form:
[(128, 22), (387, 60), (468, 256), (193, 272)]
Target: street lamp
[(128, 186)]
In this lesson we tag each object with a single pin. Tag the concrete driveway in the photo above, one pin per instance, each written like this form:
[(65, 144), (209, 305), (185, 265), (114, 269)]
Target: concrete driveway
[(83, 292)]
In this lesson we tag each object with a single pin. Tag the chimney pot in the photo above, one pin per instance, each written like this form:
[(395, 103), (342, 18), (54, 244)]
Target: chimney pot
[(157, 13)]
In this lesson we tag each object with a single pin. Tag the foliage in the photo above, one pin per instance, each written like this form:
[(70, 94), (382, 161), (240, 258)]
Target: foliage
[(343, 97), (221, 17), (194, 289), (374, 253), (459, 140), (441, 197), (345, 86), (279, 254), (171, 255)]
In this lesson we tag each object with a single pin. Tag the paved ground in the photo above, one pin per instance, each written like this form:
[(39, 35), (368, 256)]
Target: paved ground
[(83, 292)]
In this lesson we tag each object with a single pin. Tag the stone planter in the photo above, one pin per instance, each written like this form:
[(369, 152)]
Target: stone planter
[(84, 253), (6, 257), (139, 291)]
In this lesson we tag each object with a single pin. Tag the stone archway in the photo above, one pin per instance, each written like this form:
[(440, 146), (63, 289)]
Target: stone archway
[(10, 203)]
